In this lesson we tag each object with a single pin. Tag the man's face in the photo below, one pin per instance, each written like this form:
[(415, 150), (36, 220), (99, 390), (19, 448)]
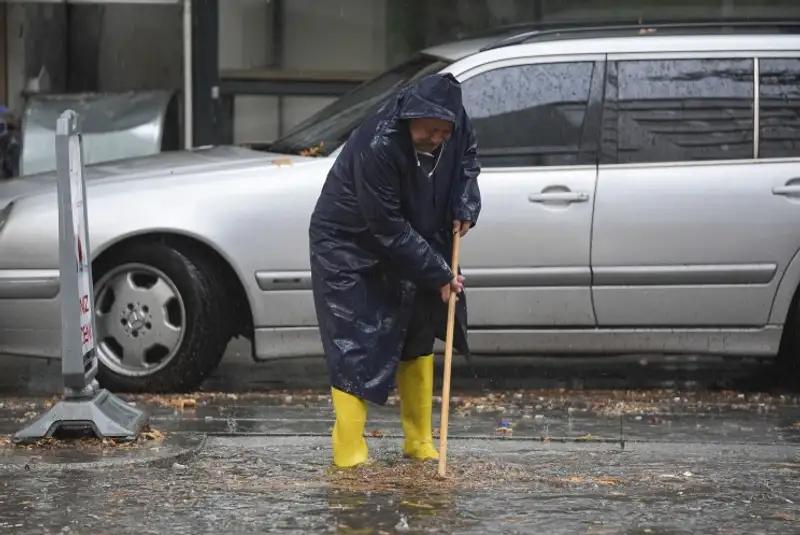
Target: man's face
[(427, 134)]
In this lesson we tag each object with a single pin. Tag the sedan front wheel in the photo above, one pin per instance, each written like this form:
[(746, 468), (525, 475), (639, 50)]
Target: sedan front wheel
[(159, 322)]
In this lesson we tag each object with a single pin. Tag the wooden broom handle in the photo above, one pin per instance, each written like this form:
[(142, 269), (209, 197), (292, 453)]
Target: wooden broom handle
[(448, 359)]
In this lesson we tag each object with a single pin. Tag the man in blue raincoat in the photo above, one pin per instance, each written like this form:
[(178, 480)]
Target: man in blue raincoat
[(380, 238)]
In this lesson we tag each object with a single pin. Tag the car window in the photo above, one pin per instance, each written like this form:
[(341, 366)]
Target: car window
[(678, 110), (328, 129), (530, 115), (779, 108)]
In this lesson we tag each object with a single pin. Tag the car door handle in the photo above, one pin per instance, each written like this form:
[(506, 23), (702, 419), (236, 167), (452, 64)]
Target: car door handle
[(559, 196), (786, 190)]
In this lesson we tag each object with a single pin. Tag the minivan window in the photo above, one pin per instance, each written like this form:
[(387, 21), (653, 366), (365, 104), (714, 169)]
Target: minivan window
[(779, 108), (674, 110), (530, 115)]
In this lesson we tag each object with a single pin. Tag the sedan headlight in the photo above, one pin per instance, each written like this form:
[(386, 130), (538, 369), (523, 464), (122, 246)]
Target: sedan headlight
[(4, 213)]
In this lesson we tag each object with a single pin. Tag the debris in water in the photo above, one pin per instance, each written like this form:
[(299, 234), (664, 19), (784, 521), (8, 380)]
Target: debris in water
[(147, 435), (603, 481), (187, 403), (505, 428), (402, 525), (421, 477), (178, 467), (152, 434), (416, 505)]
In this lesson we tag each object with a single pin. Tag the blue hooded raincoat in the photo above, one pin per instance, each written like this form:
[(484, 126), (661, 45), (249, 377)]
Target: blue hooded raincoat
[(381, 232)]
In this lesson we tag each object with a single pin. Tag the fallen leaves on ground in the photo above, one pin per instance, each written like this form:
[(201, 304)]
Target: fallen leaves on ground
[(146, 436), (531, 403), (198, 399), (650, 406)]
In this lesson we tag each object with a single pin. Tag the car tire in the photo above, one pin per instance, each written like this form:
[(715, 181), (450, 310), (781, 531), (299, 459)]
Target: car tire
[(788, 364), (159, 320)]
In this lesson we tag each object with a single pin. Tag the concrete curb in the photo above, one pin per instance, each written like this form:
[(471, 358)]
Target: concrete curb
[(190, 444)]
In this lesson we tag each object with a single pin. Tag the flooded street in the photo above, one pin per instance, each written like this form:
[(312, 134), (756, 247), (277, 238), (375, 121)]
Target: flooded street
[(251, 485), (256, 484), (655, 458)]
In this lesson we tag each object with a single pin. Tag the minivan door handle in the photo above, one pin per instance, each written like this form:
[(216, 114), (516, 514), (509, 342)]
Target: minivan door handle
[(559, 196)]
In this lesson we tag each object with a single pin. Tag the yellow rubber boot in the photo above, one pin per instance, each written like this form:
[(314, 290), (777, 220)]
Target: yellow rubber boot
[(415, 384), (349, 446)]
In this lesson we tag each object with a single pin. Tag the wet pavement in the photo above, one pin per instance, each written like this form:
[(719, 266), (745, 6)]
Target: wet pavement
[(594, 446)]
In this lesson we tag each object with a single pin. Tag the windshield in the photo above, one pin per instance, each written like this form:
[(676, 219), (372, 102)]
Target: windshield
[(323, 132)]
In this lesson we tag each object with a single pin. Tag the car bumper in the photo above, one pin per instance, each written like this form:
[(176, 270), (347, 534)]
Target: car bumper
[(30, 312)]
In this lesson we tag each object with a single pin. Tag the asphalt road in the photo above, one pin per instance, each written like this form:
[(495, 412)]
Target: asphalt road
[(633, 445)]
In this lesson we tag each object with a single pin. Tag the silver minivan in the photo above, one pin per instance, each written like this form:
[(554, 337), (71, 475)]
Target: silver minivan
[(641, 191)]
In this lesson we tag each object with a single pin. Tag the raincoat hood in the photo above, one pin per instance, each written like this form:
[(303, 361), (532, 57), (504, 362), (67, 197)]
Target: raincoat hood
[(436, 96)]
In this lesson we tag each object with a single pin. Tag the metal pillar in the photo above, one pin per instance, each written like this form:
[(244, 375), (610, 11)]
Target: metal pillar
[(207, 120), (188, 102)]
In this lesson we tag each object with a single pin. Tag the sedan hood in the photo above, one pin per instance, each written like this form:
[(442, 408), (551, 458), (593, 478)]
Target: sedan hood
[(160, 165)]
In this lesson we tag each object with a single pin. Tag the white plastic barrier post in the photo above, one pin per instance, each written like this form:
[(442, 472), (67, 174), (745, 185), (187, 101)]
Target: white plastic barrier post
[(85, 406)]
